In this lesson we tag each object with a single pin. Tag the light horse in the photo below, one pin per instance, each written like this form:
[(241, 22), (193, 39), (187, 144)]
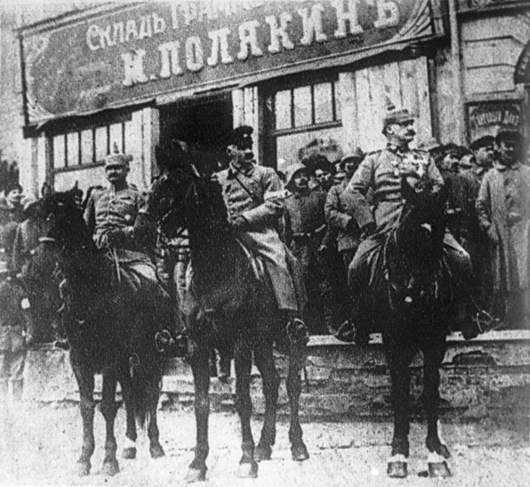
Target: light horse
[(108, 332), (415, 299), (235, 310)]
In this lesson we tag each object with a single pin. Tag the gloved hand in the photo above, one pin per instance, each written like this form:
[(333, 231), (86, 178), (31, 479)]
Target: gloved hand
[(239, 223), (368, 230)]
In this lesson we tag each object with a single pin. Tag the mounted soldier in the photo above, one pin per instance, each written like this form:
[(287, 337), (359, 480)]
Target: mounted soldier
[(110, 216), (382, 172), (254, 198)]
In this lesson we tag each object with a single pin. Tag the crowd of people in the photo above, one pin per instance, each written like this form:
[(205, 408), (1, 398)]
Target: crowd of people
[(328, 214), (336, 207)]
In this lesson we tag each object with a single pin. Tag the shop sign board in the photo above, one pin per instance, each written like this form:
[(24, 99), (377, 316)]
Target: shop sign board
[(126, 55), (489, 118)]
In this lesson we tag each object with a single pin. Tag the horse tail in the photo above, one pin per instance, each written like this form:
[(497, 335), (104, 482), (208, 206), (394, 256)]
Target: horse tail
[(146, 375)]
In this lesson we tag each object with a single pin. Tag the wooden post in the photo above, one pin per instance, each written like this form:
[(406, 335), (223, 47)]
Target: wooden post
[(456, 65)]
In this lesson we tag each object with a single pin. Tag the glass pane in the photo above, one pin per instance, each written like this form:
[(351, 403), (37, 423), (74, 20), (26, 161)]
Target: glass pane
[(282, 105), (302, 106), (116, 137), (87, 147), (101, 143), (338, 106), (294, 147), (58, 151), (73, 148), (323, 103)]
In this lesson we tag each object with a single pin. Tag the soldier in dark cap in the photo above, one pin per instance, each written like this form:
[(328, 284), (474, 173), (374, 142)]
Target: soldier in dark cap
[(381, 172), (254, 198), (503, 208)]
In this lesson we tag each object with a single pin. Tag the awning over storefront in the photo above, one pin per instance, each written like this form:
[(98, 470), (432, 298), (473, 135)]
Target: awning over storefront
[(522, 68), (109, 58)]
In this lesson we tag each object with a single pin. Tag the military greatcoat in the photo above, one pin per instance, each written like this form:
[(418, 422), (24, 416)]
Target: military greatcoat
[(256, 194)]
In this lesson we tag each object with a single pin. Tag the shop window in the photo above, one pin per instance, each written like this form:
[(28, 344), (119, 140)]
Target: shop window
[(87, 146), (59, 151), (72, 149), (306, 121), (102, 143), (307, 105)]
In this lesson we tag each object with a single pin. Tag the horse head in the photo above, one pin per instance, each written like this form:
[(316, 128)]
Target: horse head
[(188, 199), (65, 219)]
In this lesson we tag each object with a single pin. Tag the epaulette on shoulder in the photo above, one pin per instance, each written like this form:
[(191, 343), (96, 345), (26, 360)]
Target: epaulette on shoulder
[(374, 153)]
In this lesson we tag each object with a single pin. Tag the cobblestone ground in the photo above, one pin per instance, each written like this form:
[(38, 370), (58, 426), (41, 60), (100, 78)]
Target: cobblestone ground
[(39, 446)]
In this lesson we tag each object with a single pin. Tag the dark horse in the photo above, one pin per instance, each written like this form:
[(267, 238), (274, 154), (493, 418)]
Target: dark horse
[(108, 332), (416, 298), (233, 310)]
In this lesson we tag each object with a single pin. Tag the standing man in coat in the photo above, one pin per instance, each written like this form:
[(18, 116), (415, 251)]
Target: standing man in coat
[(503, 208), (346, 213), (305, 227), (381, 173), (254, 198), (110, 216)]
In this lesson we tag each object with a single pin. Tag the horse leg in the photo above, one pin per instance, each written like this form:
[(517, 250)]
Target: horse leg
[(129, 451), (399, 358), (85, 381), (155, 448), (109, 409), (248, 468), (271, 382), (438, 451), (199, 359), (294, 388)]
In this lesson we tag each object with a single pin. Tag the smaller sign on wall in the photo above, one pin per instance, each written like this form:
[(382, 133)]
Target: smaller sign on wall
[(490, 118)]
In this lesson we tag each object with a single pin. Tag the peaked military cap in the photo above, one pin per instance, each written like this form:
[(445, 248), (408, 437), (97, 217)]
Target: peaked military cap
[(398, 115), (116, 158), (242, 136), (483, 141)]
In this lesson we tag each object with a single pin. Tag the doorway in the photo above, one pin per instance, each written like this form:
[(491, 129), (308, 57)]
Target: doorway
[(204, 123)]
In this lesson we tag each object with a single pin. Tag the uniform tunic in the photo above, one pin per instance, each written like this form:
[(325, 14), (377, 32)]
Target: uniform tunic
[(380, 172), (109, 210), (256, 194)]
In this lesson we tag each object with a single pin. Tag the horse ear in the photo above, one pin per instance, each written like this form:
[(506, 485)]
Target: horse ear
[(46, 190)]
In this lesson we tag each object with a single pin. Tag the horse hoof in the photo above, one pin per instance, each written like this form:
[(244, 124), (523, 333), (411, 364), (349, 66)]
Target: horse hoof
[(195, 475), (397, 470), (156, 451), (299, 453), (262, 453), (439, 470), (110, 468), (129, 453), (83, 469), (247, 470)]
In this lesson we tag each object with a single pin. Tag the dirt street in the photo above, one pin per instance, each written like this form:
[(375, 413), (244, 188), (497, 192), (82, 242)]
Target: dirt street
[(39, 446)]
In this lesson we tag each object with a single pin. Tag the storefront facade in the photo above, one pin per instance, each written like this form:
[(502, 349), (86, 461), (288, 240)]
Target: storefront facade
[(306, 75)]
